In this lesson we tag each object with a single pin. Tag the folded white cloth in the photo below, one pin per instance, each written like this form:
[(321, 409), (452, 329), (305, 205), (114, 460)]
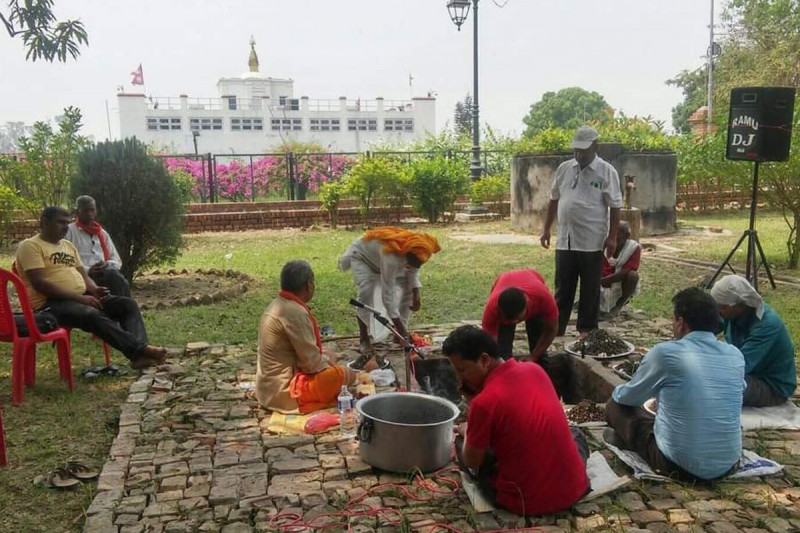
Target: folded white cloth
[(602, 479), (784, 416), (750, 465)]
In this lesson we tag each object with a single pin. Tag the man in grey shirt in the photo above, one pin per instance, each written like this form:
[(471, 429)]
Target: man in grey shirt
[(585, 195)]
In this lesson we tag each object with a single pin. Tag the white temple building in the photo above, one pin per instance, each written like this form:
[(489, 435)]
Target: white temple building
[(256, 114)]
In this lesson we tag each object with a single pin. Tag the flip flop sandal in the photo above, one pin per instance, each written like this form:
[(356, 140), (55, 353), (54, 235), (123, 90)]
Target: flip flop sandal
[(80, 471), (111, 370), (59, 478), (92, 372)]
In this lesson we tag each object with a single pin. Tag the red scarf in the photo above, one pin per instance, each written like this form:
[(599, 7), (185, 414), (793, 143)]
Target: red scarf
[(293, 297), (96, 230)]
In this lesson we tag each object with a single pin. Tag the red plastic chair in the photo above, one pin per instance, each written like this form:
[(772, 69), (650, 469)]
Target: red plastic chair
[(106, 349), (23, 359), (3, 458)]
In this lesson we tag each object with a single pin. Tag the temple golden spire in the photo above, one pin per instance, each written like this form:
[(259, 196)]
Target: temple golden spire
[(253, 61)]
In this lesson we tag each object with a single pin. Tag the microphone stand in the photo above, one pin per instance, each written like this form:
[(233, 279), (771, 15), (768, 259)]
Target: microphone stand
[(407, 346)]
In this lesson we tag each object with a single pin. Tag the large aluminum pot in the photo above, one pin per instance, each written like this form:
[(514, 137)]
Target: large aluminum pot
[(402, 431)]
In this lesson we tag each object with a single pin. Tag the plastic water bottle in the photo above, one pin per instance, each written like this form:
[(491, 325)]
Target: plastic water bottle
[(347, 413)]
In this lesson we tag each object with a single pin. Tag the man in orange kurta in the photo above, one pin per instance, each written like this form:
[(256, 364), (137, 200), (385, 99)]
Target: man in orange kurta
[(294, 374)]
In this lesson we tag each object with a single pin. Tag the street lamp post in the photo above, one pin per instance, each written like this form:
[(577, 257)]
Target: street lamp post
[(458, 10)]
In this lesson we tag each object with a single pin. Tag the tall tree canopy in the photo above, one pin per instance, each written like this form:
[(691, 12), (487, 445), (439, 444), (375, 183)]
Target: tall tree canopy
[(44, 36), (462, 118), (694, 86), (568, 108)]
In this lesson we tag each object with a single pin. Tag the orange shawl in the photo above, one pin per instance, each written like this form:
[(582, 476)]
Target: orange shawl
[(293, 297), (403, 241)]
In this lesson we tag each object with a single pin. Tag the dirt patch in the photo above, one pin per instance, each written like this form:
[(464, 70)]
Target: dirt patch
[(173, 288)]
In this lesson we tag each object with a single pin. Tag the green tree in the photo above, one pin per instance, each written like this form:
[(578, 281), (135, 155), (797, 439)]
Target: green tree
[(43, 35), (568, 108), (330, 194), (436, 184), (369, 180), (462, 118), (50, 159), (137, 201), (761, 47), (693, 83)]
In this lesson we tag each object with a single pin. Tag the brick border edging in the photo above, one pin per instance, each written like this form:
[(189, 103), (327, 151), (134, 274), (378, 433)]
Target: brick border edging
[(208, 298), (244, 217)]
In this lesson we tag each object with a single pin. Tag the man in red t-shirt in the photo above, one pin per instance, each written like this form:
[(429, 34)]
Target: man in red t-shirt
[(527, 458), (620, 281), (521, 296)]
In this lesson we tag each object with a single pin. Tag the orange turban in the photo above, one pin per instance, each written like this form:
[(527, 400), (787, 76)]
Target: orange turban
[(402, 241)]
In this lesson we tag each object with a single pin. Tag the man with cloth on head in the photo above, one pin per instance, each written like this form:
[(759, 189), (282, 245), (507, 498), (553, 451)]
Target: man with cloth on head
[(698, 383), (620, 281), (293, 371), (388, 259), (53, 274), (96, 248), (517, 440), (586, 196), (521, 296), (753, 327)]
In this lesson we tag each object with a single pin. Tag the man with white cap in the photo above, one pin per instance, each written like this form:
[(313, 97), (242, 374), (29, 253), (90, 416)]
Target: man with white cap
[(753, 327), (586, 197)]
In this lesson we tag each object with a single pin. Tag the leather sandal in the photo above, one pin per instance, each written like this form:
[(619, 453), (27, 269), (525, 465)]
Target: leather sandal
[(80, 471), (59, 478)]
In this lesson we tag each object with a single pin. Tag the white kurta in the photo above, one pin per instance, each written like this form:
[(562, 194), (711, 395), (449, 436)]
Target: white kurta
[(90, 249), (384, 280)]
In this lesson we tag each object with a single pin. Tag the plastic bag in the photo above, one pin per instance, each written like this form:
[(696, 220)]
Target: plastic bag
[(321, 422), (383, 377)]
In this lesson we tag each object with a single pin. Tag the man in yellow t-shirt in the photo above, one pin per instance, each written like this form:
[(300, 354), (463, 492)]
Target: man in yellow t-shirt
[(51, 269)]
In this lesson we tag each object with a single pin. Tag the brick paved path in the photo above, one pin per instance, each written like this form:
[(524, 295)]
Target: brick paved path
[(193, 454)]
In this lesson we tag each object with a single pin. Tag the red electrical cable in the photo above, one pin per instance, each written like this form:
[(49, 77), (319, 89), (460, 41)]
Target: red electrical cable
[(288, 522)]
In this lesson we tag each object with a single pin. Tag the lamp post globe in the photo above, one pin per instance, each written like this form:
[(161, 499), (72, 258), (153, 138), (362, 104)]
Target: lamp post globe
[(458, 10)]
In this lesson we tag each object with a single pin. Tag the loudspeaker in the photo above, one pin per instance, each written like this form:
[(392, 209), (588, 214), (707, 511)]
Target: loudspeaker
[(760, 123)]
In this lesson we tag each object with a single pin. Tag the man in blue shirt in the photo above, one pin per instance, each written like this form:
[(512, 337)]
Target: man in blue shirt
[(698, 382), (762, 337)]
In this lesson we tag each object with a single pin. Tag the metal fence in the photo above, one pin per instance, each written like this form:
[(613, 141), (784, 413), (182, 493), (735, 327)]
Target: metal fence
[(249, 177)]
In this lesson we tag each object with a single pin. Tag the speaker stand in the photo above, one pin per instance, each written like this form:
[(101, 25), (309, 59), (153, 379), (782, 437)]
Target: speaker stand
[(753, 263)]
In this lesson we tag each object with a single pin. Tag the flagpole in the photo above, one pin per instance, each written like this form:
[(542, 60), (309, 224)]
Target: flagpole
[(108, 121)]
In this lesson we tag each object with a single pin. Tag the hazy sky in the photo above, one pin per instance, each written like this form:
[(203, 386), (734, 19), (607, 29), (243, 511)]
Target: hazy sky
[(623, 49)]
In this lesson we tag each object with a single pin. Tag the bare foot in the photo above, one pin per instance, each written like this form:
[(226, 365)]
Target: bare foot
[(141, 362), (154, 353)]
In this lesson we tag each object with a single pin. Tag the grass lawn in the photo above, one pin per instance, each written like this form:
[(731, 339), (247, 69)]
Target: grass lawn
[(772, 232), (53, 426)]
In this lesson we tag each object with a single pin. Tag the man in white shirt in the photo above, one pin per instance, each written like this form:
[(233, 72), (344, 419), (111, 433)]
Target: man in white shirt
[(586, 196), (96, 248)]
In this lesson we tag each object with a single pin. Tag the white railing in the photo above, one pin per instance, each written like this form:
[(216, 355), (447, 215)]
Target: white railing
[(170, 103)]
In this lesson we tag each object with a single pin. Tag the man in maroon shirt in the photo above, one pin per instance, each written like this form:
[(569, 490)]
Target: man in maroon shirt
[(517, 435), (620, 279), (521, 296)]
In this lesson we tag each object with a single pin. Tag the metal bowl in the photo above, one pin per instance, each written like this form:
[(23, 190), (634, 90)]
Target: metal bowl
[(572, 348), (651, 406)]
